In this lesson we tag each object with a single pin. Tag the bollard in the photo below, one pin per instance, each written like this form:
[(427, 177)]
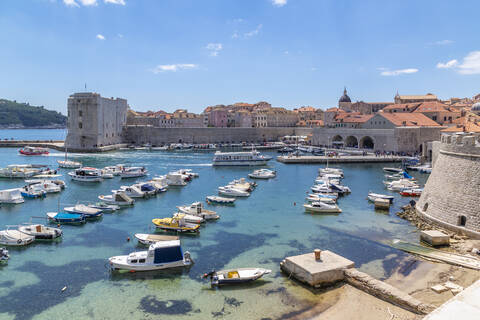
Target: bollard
[(317, 253)]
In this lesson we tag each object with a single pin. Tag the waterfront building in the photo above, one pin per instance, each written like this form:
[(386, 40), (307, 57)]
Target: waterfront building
[(218, 118), (275, 117), (385, 120), (415, 98), (94, 121)]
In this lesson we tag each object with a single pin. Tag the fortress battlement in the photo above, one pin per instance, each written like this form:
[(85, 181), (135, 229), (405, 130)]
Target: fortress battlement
[(464, 144)]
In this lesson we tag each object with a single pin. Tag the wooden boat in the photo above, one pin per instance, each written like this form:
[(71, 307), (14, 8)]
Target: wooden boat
[(11, 237), (219, 200), (175, 224), (160, 255), (235, 276), (149, 239), (64, 217), (39, 231)]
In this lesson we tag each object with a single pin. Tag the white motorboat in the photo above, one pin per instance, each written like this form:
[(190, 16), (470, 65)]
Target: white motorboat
[(131, 191), (133, 172), (250, 158), (197, 209), (315, 198), (374, 196), (32, 193), (46, 186), (231, 191), (11, 196), (56, 182), (104, 207), (188, 172), (320, 207), (40, 232), (188, 218), (148, 188), (19, 171), (87, 211), (159, 187), (86, 174), (160, 255), (331, 176), (235, 276), (175, 179), (69, 164), (331, 171), (115, 170), (393, 170), (219, 200), (118, 198), (4, 256), (242, 184), (11, 237), (148, 239), (326, 181), (107, 174), (262, 174), (339, 188), (401, 184)]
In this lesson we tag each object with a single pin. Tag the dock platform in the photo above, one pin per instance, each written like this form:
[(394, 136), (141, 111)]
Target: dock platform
[(341, 159)]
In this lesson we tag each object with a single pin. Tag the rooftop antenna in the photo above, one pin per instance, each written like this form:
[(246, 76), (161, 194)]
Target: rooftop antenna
[(85, 86)]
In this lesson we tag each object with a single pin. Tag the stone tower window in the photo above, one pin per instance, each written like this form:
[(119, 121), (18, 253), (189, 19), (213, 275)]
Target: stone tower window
[(80, 113), (462, 221), (425, 207), (80, 125)]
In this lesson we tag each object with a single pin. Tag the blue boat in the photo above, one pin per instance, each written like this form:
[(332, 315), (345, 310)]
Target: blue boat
[(30, 193), (64, 217)]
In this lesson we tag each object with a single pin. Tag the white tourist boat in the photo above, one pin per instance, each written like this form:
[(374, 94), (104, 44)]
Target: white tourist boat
[(231, 191), (175, 179), (40, 232), (11, 196), (87, 211), (320, 207), (197, 209), (117, 198), (86, 174), (263, 174), (374, 196), (115, 170), (188, 218), (250, 158), (131, 191), (133, 172), (12, 237), (148, 239), (160, 255)]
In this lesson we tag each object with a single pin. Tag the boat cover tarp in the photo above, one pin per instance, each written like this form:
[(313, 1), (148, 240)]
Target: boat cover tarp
[(66, 215), (147, 187), (406, 175), (169, 254)]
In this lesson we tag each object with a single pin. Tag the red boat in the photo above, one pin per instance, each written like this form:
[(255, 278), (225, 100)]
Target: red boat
[(33, 151), (411, 193)]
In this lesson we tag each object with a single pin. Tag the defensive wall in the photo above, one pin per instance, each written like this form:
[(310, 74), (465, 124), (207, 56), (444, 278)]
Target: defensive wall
[(452, 192), (160, 136)]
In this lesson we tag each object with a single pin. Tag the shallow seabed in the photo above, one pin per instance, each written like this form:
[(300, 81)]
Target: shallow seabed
[(258, 231)]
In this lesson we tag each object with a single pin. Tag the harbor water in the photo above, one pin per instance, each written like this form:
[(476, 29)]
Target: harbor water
[(258, 231)]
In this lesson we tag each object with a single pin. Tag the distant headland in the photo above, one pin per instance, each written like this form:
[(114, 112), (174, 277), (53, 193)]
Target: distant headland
[(14, 115)]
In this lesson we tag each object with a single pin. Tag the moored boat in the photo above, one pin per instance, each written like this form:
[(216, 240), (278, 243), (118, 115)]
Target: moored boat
[(160, 255), (117, 198), (373, 196), (12, 237), (411, 192), (251, 158), (69, 164), (235, 276), (175, 224), (87, 211), (220, 200), (11, 196), (39, 231), (4, 256), (86, 174), (32, 193), (104, 207), (320, 207), (393, 170), (64, 217), (189, 218), (197, 209), (148, 239), (33, 151), (131, 191), (133, 172), (262, 174), (231, 191)]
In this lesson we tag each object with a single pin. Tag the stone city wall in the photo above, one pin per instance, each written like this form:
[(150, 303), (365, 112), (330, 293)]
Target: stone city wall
[(161, 136), (451, 194), (383, 139)]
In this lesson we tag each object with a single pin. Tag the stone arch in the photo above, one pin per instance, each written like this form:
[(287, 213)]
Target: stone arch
[(367, 142), (337, 140), (351, 141)]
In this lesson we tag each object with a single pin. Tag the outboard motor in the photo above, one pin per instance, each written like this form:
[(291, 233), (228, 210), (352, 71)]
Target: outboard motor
[(187, 257), (4, 254)]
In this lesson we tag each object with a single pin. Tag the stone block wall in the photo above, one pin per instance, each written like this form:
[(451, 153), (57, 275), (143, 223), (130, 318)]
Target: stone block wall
[(452, 192)]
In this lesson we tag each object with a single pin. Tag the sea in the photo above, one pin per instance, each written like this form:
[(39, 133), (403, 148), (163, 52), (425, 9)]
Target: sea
[(70, 278)]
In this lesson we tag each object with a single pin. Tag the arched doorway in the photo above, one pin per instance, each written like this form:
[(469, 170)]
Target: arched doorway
[(351, 142), (367, 143), (337, 141)]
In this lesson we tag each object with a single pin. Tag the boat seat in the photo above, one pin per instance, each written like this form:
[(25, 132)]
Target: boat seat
[(39, 228), (233, 275)]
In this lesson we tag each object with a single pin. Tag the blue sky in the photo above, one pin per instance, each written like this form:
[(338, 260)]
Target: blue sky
[(169, 54)]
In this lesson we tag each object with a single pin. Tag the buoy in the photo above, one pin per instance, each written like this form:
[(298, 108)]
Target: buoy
[(64, 288), (294, 203), (58, 225), (128, 239)]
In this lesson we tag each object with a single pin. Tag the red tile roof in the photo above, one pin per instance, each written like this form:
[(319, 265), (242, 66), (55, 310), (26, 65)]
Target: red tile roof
[(432, 106), (400, 119)]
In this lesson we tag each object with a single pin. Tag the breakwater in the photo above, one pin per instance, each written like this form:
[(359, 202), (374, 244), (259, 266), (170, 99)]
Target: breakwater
[(342, 159)]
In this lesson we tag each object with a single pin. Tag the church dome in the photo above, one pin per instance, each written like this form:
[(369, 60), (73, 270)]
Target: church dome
[(476, 107), (345, 97)]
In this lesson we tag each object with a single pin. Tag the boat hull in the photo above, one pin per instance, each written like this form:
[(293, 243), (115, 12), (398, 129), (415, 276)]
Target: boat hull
[(261, 162), (119, 263)]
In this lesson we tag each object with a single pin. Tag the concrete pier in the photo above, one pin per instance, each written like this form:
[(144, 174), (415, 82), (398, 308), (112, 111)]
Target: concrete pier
[(435, 237), (341, 159)]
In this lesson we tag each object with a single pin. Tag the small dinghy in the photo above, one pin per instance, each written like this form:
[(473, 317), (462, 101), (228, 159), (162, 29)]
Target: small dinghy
[(235, 276), (148, 239), (219, 200), (64, 217), (160, 255), (4, 256), (87, 211), (118, 198), (12, 237), (40, 232), (320, 207), (374, 196)]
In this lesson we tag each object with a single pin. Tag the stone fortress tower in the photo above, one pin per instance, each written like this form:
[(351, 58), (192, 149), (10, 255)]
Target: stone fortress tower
[(94, 122), (451, 197)]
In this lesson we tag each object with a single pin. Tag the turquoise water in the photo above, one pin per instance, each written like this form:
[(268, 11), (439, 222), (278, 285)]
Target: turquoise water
[(258, 231), (33, 134)]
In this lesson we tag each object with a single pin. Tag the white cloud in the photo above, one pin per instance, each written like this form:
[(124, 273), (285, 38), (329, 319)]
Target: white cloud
[(397, 72), (120, 35), (173, 67), (470, 64), (120, 2), (235, 35), (70, 3), (100, 37), (279, 3), (253, 32), (214, 48), (88, 2), (447, 65)]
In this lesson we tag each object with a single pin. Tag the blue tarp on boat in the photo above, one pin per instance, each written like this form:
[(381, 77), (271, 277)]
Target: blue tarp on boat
[(169, 254)]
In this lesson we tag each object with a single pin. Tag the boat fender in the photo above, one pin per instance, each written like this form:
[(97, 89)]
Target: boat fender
[(64, 288), (128, 239), (294, 203)]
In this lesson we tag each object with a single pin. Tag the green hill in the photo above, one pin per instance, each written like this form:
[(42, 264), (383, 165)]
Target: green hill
[(18, 115)]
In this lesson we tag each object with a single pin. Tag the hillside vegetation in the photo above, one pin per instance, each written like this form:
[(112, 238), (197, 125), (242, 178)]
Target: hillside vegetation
[(14, 114)]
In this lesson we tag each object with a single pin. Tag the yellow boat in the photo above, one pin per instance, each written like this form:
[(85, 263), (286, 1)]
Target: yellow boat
[(176, 223)]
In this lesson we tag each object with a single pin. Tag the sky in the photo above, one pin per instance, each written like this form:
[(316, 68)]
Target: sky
[(170, 54)]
